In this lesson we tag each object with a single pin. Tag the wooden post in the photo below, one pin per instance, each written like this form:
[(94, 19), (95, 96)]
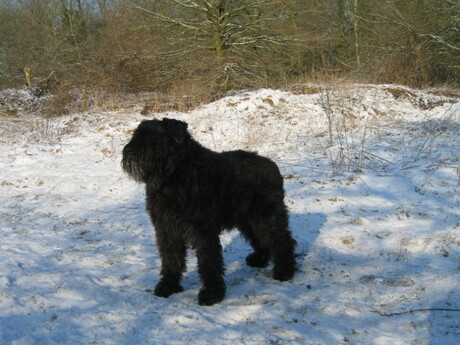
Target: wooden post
[(27, 76)]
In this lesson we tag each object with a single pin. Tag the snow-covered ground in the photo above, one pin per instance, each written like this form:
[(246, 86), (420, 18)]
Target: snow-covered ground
[(373, 186)]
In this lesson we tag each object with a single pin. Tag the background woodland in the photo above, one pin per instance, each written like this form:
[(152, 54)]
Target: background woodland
[(208, 47)]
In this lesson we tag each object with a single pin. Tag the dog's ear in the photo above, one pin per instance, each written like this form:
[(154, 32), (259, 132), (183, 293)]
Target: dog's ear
[(177, 129)]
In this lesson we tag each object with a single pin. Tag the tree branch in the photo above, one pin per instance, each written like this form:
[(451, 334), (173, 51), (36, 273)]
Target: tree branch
[(381, 313), (441, 40)]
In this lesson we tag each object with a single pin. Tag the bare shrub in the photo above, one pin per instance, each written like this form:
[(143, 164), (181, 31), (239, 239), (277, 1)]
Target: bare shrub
[(346, 139)]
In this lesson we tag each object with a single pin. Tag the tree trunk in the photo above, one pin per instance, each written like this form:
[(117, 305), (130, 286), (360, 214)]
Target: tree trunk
[(356, 33)]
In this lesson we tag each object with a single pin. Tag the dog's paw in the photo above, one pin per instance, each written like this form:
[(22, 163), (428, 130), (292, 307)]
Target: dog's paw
[(211, 295), (283, 273), (165, 289), (257, 260)]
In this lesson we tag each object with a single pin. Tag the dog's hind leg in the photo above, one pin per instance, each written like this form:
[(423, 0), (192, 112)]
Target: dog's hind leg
[(211, 270), (282, 247), (273, 233), (261, 255)]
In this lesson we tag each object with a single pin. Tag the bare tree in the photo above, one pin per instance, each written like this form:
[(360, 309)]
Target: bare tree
[(429, 33), (232, 33)]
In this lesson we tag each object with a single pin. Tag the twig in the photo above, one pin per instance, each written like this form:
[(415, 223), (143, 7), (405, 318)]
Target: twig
[(414, 311), (431, 137), (378, 157)]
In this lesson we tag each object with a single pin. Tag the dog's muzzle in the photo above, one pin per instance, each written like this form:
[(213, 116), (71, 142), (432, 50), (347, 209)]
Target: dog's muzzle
[(131, 165)]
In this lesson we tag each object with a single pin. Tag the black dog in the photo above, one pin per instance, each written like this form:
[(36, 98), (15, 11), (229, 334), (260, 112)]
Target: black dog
[(194, 193)]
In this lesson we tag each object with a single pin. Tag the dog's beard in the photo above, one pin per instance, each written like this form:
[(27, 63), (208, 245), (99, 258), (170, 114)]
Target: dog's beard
[(133, 170), (132, 167)]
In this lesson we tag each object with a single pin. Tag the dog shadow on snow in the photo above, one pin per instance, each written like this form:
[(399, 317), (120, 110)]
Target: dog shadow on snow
[(246, 287)]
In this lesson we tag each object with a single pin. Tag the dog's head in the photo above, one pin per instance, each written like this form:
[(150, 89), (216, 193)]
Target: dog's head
[(154, 149)]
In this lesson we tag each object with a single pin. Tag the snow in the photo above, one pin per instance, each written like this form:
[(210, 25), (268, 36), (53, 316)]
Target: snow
[(372, 184)]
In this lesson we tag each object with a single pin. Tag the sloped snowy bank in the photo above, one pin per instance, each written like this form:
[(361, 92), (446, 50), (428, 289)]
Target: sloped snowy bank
[(372, 181)]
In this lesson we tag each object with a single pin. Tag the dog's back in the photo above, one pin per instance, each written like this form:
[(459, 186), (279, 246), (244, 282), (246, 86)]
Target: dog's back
[(254, 169)]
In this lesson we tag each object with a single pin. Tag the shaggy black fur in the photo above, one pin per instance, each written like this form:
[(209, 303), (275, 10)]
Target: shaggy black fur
[(193, 194)]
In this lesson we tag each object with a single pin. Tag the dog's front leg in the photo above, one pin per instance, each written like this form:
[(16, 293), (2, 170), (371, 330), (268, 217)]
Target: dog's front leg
[(173, 255), (211, 270)]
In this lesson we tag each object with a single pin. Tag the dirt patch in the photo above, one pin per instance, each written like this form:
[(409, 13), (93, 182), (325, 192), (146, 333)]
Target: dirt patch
[(423, 103)]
